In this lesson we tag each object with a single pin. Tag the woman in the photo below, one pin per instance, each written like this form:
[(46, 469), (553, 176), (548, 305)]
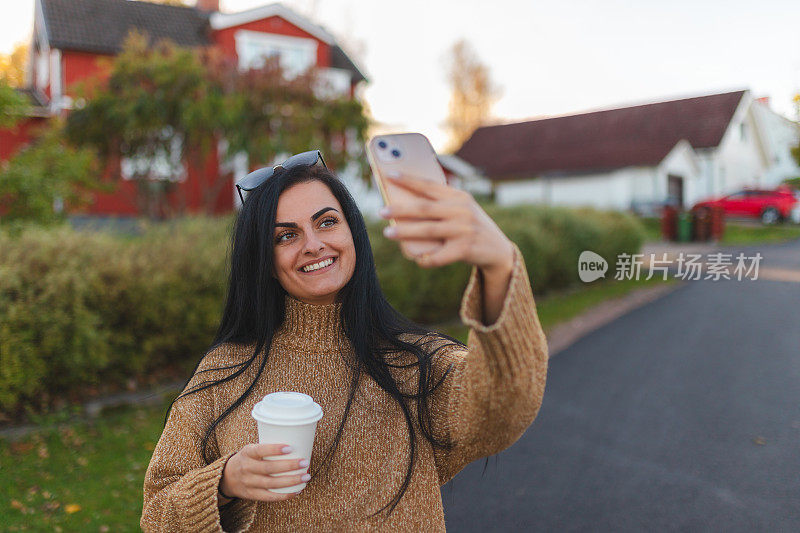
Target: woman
[(404, 408)]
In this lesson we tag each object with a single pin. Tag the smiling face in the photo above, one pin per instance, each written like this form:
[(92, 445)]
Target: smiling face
[(314, 254)]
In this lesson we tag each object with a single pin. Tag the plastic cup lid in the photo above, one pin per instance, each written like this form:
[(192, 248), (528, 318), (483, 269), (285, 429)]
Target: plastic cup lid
[(287, 409)]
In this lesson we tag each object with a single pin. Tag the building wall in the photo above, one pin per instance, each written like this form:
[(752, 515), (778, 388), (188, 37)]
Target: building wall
[(739, 156), (681, 162), (13, 139), (610, 190), (226, 38), (780, 135)]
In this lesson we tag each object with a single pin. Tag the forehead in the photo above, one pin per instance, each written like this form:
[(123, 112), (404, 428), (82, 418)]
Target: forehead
[(300, 201)]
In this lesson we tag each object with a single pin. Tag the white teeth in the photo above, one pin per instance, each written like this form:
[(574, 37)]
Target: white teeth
[(317, 266)]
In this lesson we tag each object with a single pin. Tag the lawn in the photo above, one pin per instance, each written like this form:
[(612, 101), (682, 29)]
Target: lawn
[(88, 475), (85, 476), (737, 233), (559, 307)]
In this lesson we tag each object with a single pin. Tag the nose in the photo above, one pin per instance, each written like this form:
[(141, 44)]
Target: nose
[(313, 244)]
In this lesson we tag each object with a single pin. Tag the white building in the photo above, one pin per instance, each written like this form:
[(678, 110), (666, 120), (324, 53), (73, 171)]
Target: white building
[(633, 157)]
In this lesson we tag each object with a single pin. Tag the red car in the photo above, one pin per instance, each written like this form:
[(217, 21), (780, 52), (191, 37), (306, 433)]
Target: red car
[(770, 206)]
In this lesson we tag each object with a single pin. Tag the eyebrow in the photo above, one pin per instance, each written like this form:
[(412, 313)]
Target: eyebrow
[(315, 216)]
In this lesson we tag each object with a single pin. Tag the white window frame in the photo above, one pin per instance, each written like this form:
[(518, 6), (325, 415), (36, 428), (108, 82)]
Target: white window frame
[(246, 40)]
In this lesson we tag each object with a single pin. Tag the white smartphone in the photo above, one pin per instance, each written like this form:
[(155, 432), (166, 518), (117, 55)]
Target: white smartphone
[(404, 154)]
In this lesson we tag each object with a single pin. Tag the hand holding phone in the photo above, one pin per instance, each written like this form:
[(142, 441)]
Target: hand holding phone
[(434, 223), (404, 154)]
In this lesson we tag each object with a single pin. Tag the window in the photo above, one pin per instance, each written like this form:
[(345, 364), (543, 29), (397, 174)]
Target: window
[(164, 166), (296, 55)]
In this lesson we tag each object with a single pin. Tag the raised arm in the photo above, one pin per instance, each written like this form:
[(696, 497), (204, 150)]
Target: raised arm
[(495, 388)]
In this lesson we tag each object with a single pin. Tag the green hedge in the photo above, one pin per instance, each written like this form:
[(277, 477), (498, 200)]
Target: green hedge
[(84, 310)]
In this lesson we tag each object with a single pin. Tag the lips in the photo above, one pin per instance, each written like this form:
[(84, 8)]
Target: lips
[(317, 261)]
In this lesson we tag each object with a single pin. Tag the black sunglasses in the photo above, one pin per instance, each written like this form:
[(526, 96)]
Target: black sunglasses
[(257, 177)]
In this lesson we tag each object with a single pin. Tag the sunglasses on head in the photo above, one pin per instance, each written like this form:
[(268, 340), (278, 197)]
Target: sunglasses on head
[(257, 177)]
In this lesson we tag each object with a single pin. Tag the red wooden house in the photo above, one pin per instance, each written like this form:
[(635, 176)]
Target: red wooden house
[(71, 36)]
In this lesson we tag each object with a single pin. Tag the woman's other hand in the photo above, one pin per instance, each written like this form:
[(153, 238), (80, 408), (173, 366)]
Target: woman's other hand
[(247, 475), (453, 218)]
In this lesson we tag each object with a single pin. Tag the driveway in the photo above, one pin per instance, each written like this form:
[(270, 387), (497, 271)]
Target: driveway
[(683, 415)]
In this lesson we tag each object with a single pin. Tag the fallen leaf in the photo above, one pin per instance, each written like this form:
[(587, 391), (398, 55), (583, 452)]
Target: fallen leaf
[(149, 446), (52, 506), (43, 452), (104, 529), (46, 494), (83, 461), (16, 504), (760, 441), (72, 508), (21, 447)]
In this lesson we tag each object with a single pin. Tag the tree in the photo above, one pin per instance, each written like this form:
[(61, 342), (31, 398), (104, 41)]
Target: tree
[(472, 93), (12, 66), (162, 106), (46, 179), (13, 105)]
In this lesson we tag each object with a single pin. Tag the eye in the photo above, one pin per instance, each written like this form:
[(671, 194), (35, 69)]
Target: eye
[(283, 237), (328, 222)]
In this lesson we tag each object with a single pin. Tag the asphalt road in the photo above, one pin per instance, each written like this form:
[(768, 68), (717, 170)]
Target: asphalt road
[(683, 415)]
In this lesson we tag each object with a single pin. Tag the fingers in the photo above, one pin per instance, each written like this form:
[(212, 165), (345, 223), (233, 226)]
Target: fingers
[(426, 188), (425, 230), (449, 253), (426, 209), (278, 466), (257, 451), (258, 487)]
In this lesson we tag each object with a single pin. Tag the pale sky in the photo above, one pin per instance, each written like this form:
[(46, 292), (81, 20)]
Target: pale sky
[(549, 57)]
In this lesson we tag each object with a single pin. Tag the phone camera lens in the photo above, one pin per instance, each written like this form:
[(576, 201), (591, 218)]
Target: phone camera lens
[(382, 145), (396, 152)]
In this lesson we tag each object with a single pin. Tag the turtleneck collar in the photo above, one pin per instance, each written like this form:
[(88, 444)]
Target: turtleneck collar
[(315, 328)]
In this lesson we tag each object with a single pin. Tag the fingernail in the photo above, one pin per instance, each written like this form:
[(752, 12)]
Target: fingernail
[(305, 477), (384, 212), (303, 463), (389, 231), (287, 449)]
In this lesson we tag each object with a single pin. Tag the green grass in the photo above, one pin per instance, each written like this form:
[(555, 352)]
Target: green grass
[(85, 476), (559, 307), (88, 475), (736, 234)]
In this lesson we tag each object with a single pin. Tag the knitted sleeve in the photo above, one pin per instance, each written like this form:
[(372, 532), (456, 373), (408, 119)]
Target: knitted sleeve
[(495, 387), (180, 488)]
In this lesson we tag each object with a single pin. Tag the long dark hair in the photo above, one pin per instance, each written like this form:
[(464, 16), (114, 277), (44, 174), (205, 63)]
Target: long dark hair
[(255, 309)]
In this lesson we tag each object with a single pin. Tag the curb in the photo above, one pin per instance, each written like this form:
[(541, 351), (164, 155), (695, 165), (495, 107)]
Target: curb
[(567, 333), (95, 408)]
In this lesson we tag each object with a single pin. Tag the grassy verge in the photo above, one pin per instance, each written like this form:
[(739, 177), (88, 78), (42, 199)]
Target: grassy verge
[(87, 476), (559, 307), (737, 234)]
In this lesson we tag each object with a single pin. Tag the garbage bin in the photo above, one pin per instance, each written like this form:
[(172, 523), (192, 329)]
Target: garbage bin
[(668, 222), (701, 224), (684, 227), (717, 223)]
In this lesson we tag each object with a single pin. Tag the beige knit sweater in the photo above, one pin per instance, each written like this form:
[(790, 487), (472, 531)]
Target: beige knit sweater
[(484, 405)]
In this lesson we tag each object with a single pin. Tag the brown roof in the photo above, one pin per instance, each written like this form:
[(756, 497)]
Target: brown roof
[(100, 26), (602, 140)]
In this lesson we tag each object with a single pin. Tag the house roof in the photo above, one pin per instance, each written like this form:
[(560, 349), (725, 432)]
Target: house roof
[(36, 100), (640, 135), (100, 26)]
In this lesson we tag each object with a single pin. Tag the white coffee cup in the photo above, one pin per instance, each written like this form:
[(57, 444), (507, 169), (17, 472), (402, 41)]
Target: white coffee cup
[(288, 418)]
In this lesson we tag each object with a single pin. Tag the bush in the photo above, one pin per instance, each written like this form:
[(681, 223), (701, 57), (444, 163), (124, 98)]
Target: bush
[(80, 311)]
